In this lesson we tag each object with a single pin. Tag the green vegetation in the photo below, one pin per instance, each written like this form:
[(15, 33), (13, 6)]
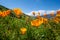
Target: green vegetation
[(10, 28)]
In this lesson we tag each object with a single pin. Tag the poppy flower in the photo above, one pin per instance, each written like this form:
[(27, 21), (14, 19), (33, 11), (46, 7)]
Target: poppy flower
[(52, 14), (17, 11), (45, 14), (23, 30), (36, 22), (45, 20), (0, 13), (33, 13)]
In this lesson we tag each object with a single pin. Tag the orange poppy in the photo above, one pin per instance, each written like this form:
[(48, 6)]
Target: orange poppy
[(36, 22), (38, 17), (45, 20), (45, 14), (33, 13), (52, 14), (17, 11), (3, 14), (8, 12), (0, 13), (38, 13)]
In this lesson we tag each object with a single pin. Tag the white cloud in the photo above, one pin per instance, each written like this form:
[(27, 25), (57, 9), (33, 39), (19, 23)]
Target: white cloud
[(49, 11), (30, 13), (42, 12), (58, 10)]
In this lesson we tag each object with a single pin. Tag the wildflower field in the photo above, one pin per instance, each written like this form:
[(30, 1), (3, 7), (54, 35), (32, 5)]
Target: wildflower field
[(15, 25)]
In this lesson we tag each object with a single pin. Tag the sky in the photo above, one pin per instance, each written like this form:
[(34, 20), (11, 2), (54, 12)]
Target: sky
[(27, 6)]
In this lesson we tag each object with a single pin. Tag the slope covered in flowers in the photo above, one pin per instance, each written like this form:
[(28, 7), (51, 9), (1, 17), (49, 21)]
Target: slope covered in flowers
[(15, 25)]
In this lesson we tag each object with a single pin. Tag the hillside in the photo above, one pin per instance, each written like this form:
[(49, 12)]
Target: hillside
[(2, 8), (24, 27)]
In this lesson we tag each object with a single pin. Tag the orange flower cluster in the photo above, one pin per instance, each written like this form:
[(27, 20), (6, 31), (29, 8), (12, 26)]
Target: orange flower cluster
[(56, 19), (4, 13), (58, 13), (17, 11), (39, 21), (23, 30), (45, 20), (36, 22)]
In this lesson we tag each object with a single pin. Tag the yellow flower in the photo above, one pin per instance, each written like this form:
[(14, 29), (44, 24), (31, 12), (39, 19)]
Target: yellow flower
[(23, 30)]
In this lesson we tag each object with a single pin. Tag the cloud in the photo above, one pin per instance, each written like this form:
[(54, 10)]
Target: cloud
[(58, 10), (49, 11), (42, 12), (30, 13)]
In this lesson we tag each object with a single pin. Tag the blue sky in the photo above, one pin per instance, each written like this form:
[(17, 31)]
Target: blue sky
[(32, 5)]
